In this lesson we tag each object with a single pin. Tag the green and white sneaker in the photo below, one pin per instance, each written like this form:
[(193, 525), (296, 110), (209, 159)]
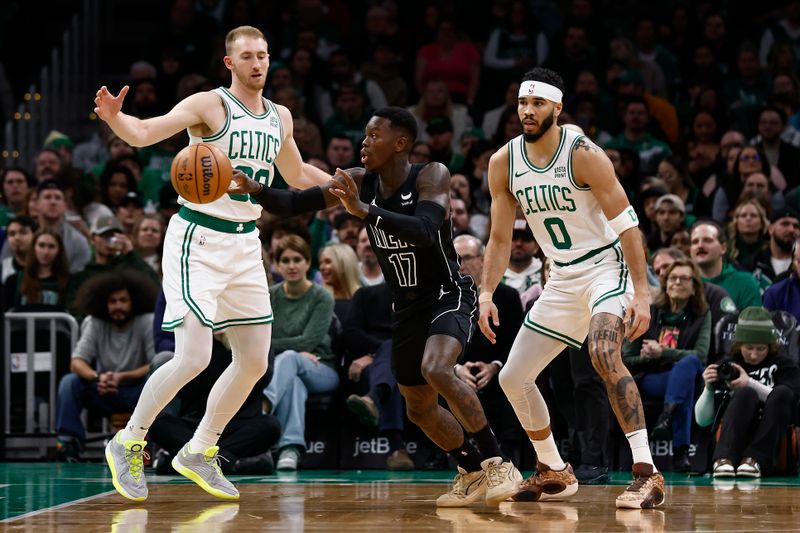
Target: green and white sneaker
[(126, 461), (203, 469)]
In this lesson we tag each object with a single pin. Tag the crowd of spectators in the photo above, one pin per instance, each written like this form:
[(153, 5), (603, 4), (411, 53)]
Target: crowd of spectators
[(697, 105)]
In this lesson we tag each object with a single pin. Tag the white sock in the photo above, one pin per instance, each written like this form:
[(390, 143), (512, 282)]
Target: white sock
[(640, 447), (132, 432), (547, 452), (202, 440)]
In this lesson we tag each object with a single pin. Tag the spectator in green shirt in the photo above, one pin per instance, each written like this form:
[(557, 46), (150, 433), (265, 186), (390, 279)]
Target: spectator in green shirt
[(635, 136)]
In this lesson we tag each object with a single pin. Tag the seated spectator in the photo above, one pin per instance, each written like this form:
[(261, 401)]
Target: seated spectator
[(15, 184), (129, 212), (709, 245), (338, 265), (460, 189), (524, 267), (758, 186), (675, 173), (481, 362), (44, 280), (369, 270), (51, 210), (305, 362), (420, 153), (783, 230), (113, 250), (682, 240), (747, 234), (719, 301), (746, 161), (757, 391), (347, 227), (148, 240), (115, 183), (112, 358), (19, 236), (635, 136), (670, 217), (246, 440), (785, 294), (669, 357), (367, 333)]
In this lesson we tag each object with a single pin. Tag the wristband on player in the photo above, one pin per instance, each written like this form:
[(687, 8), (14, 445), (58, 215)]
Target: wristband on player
[(624, 221), (485, 297)]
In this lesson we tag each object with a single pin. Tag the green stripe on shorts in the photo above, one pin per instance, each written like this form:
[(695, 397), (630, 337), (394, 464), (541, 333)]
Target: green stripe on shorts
[(569, 341)]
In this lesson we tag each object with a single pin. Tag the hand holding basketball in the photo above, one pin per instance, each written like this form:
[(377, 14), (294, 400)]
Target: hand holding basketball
[(201, 173)]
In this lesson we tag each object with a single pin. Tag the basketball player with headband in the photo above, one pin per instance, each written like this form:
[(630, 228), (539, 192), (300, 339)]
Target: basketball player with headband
[(214, 278), (583, 222)]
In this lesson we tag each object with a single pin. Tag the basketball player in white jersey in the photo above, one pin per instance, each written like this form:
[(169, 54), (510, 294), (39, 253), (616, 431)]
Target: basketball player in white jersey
[(581, 218), (214, 278)]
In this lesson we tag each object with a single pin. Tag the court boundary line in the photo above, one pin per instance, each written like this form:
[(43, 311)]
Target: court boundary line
[(56, 507)]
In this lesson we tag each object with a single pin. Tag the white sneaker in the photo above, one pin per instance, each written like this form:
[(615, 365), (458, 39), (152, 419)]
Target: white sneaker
[(503, 480), (288, 459), (468, 488)]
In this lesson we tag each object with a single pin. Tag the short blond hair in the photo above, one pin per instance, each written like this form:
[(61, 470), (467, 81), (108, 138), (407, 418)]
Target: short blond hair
[(241, 31)]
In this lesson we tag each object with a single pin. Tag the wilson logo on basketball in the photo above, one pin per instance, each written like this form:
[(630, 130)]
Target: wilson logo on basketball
[(208, 173)]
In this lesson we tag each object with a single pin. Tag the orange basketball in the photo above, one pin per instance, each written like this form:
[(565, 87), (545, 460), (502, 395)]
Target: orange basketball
[(201, 173)]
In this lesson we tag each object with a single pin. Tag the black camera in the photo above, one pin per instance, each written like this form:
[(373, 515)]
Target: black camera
[(727, 372)]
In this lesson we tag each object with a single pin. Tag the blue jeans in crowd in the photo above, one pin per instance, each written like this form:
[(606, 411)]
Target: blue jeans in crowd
[(675, 385), (294, 378), (76, 394), (379, 373)]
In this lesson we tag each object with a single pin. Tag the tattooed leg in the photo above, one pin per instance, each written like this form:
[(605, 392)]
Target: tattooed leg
[(606, 333), (439, 424), (441, 353)]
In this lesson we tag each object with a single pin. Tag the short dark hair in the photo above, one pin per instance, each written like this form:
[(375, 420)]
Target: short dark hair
[(5, 172), (722, 235), (545, 75), (51, 183), (399, 118), (24, 220), (636, 100), (92, 297), (775, 109)]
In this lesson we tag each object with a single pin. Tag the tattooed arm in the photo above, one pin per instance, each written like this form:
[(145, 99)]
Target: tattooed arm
[(593, 168)]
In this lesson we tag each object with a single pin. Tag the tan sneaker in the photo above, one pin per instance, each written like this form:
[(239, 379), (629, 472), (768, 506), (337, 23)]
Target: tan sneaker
[(468, 488), (547, 484), (502, 478), (646, 491), (399, 460)]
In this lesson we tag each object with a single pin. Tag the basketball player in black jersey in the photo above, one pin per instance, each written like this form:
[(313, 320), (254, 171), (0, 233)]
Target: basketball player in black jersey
[(406, 210)]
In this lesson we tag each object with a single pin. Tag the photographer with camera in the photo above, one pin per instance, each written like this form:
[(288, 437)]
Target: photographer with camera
[(755, 391)]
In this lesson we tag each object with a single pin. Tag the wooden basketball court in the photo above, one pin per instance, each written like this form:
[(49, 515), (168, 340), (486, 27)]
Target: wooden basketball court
[(40, 497)]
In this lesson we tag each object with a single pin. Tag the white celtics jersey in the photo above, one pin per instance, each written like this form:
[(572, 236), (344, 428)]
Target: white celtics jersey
[(251, 142), (565, 218)]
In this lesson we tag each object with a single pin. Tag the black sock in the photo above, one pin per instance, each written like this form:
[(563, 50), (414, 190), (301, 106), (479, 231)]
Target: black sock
[(487, 443), (467, 456), (395, 438)]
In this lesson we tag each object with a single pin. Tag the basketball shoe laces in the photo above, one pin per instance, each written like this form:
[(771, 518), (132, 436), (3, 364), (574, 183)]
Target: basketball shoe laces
[(497, 474), (638, 484), (135, 459), (213, 460)]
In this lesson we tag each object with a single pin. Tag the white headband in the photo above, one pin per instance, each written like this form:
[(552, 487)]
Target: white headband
[(540, 89)]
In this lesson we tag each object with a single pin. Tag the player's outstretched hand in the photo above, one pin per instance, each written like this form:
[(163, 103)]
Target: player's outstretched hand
[(242, 184), (344, 187), (637, 317), (489, 311), (107, 105)]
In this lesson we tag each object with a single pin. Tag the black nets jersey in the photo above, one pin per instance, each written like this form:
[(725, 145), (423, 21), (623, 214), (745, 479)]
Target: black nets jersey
[(415, 274)]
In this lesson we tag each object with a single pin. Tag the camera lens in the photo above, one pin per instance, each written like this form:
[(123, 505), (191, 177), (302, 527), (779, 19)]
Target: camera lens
[(727, 372)]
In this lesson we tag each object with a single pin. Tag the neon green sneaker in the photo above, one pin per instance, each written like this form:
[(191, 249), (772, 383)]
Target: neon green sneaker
[(126, 461), (203, 469)]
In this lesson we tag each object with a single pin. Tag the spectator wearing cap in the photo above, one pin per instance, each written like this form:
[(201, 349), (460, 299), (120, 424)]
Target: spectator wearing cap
[(631, 84), (129, 212), (524, 268), (784, 230), (758, 401), (440, 132), (785, 294), (113, 250), (52, 208), (670, 217), (436, 102), (709, 246), (636, 137)]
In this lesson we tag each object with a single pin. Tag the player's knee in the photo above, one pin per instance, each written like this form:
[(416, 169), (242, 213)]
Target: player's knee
[(436, 373), (194, 363), (510, 382)]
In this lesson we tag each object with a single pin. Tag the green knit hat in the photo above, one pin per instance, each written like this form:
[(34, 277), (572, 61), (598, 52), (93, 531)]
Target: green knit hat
[(755, 327)]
